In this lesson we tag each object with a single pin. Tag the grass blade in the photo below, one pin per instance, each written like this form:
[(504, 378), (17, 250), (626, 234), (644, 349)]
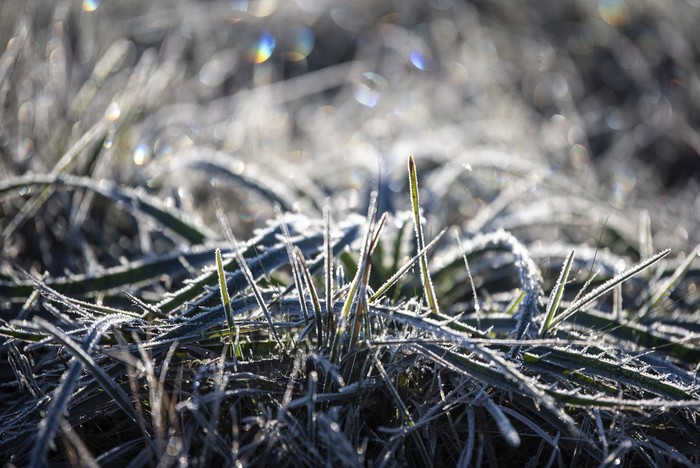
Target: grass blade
[(312, 292), (405, 267), (662, 290), (132, 199), (556, 294), (233, 334), (607, 287), (428, 288)]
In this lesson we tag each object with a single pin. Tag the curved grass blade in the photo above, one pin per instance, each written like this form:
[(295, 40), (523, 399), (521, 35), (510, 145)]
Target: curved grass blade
[(146, 204), (135, 274), (222, 166), (504, 425), (34, 203)]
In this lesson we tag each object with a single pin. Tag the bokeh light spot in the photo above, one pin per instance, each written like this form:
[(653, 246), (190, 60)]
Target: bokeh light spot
[(417, 59), (142, 154), (368, 89), (304, 40), (262, 49), (112, 112), (578, 156), (90, 5), (614, 12)]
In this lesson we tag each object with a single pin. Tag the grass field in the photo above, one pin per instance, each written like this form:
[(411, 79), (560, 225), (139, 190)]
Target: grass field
[(269, 233)]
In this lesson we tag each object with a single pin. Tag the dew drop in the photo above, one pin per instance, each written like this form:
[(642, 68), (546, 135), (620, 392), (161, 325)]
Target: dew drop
[(237, 167)]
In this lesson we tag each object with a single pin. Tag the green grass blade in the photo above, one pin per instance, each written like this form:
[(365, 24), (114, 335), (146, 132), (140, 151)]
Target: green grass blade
[(556, 294), (132, 199), (314, 295), (328, 268), (588, 364), (250, 279), (358, 285), (235, 353), (428, 288), (135, 274), (607, 287)]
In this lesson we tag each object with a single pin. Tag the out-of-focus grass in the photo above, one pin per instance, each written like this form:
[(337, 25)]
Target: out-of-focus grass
[(556, 140)]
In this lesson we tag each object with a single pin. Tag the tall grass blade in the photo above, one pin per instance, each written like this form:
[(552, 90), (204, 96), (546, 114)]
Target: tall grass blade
[(477, 307), (328, 268), (318, 313), (250, 279), (556, 294), (358, 285), (235, 353), (293, 264), (428, 288)]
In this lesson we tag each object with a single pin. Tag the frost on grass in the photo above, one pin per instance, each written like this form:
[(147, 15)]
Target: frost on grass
[(180, 179)]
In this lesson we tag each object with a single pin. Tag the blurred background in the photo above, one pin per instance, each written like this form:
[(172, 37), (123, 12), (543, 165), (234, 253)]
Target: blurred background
[(313, 100)]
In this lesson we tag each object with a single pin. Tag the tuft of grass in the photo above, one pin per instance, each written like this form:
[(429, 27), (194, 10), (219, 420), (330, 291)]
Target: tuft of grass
[(133, 332)]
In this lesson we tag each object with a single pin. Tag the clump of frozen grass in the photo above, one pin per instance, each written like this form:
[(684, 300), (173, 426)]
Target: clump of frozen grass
[(133, 333)]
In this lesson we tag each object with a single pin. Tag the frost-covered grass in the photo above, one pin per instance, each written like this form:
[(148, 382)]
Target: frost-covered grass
[(217, 250)]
